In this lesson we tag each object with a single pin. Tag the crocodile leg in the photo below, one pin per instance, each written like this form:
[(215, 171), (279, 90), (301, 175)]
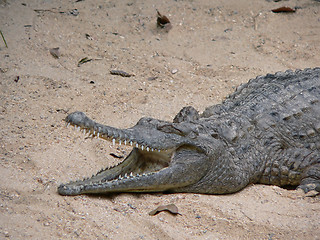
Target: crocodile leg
[(311, 179)]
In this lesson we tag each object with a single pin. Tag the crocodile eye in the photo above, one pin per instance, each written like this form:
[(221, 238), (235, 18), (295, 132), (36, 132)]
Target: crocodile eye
[(215, 135), (169, 128), (179, 129)]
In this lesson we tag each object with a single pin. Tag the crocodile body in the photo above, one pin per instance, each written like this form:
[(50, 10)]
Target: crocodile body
[(267, 131)]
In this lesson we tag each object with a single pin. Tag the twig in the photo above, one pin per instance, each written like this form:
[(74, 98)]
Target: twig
[(4, 40), (44, 10), (246, 215), (255, 24)]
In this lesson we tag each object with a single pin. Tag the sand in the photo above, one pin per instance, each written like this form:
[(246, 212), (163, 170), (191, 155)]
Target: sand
[(212, 48)]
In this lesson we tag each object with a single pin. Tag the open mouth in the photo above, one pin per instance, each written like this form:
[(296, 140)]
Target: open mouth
[(143, 160)]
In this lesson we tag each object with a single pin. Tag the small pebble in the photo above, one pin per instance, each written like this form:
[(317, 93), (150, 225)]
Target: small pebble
[(174, 71), (152, 78)]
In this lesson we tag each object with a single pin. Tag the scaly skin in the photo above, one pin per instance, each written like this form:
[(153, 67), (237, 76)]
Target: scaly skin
[(267, 132)]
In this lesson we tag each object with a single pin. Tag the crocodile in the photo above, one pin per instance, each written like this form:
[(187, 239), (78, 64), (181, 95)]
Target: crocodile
[(266, 132)]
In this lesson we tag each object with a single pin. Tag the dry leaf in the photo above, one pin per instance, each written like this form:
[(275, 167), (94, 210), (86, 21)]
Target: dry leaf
[(163, 21), (283, 10), (84, 60), (116, 156), (55, 52), (88, 36), (121, 73), (170, 208)]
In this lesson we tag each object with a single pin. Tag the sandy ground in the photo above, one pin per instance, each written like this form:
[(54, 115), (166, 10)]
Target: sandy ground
[(213, 47)]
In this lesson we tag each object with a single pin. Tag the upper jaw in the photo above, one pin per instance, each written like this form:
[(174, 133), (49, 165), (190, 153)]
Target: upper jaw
[(143, 137)]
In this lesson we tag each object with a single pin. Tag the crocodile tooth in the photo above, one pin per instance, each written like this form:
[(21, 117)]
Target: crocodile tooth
[(120, 142), (84, 131), (113, 142), (137, 145), (94, 132), (125, 142), (68, 124), (152, 149), (98, 134), (131, 143), (148, 149), (142, 147), (131, 175)]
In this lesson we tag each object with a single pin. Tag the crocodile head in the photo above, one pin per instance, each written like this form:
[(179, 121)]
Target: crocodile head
[(165, 157)]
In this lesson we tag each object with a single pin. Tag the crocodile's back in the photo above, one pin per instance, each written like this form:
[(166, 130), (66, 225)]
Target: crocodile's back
[(280, 90), (276, 125)]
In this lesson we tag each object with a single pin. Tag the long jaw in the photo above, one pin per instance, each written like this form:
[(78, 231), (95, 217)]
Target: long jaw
[(140, 165)]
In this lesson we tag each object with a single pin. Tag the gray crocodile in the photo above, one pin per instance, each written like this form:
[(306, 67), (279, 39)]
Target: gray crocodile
[(267, 131)]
